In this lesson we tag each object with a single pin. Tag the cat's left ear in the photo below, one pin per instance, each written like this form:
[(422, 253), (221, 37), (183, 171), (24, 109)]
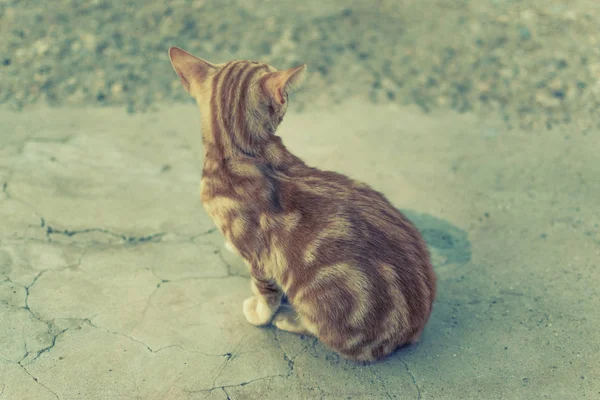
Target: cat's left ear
[(279, 83), (189, 68)]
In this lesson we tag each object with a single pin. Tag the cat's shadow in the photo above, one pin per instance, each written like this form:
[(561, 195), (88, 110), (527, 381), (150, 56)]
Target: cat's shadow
[(447, 243)]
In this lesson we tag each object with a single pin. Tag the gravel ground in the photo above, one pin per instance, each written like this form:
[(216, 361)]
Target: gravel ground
[(535, 62)]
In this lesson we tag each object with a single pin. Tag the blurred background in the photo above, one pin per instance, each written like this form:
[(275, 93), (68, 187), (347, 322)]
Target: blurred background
[(535, 62)]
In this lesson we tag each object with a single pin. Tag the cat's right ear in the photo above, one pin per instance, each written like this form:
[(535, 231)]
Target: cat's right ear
[(189, 68), (279, 83)]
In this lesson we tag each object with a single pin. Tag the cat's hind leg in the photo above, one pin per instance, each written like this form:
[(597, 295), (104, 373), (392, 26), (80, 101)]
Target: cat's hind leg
[(260, 308), (287, 319)]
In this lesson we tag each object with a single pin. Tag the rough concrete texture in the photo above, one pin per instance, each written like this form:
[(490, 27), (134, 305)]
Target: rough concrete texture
[(114, 283)]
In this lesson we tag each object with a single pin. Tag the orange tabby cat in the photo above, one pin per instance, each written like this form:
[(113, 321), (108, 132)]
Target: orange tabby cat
[(356, 272)]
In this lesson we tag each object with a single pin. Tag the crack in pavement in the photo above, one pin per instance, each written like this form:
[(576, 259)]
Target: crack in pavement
[(89, 321), (155, 237), (413, 379), (50, 231), (27, 292), (150, 349), (153, 292), (226, 394), (221, 370), (37, 381), (389, 396), (227, 265), (164, 281), (9, 196), (48, 348), (286, 358), (50, 325), (242, 384), (230, 357)]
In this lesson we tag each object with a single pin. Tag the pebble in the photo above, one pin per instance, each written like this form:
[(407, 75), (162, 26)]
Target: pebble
[(116, 89), (545, 99), (483, 87), (528, 15), (41, 46), (89, 41), (556, 84)]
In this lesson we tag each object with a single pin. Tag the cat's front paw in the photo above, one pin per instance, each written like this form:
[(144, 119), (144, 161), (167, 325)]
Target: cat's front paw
[(257, 312)]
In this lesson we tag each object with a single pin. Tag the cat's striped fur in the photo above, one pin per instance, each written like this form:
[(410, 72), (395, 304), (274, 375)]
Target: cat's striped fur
[(356, 272)]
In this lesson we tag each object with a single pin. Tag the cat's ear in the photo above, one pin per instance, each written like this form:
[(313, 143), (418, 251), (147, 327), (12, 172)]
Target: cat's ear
[(279, 83), (189, 68)]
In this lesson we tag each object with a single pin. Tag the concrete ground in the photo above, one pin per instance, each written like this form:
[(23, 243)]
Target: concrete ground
[(114, 283)]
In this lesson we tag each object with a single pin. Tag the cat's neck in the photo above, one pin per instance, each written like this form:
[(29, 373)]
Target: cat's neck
[(219, 151), (278, 156)]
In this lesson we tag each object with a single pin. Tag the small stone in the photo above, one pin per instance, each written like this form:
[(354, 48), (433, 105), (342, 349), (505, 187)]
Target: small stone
[(483, 86), (22, 54), (528, 15), (41, 78), (546, 100), (116, 89), (41, 46), (90, 41), (556, 84)]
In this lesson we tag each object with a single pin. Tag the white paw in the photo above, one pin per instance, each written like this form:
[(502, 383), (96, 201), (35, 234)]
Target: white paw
[(257, 312), (282, 322)]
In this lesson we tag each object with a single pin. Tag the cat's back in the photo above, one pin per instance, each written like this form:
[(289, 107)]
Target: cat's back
[(358, 212), (366, 282)]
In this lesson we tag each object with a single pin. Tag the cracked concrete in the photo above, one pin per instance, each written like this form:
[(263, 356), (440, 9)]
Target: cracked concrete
[(115, 284)]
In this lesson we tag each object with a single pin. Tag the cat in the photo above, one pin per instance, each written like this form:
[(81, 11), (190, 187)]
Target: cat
[(355, 271)]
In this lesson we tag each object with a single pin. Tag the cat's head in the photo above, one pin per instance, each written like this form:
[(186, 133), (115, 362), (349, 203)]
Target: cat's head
[(245, 99)]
